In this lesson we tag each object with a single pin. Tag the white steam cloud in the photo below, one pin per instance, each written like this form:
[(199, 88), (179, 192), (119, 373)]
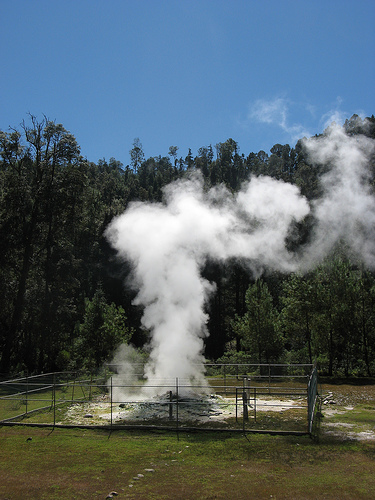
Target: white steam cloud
[(168, 243), (346, 211)]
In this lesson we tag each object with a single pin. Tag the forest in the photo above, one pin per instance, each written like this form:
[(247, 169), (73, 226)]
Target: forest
[(64, 299)]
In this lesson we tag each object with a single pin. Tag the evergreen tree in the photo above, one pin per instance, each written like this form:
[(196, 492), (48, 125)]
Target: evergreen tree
[(258, 327)]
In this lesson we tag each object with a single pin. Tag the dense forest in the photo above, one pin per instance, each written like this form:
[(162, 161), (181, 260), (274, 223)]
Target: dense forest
[(64, 303)]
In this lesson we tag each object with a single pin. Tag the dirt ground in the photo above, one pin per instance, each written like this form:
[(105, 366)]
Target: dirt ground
[(209, 410), (348, 410)]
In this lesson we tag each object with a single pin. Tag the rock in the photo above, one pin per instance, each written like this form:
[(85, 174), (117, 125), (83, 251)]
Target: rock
[(88, 415), (149, 470)]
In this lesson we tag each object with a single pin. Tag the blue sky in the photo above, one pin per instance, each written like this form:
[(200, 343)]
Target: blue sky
[(186, 73)]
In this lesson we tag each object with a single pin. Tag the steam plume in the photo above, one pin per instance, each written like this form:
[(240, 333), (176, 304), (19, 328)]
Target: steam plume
[(168, 243), (346, 211)]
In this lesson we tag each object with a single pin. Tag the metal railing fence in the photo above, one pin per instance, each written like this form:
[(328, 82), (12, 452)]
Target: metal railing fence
[(231, 401)]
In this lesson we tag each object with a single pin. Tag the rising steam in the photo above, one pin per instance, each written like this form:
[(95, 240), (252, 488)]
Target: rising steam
[(346, 211), (168, 243)]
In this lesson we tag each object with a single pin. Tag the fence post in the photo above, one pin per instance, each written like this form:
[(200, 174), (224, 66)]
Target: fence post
[(269, 379), (255, 404), (245, 409), (111, 403), (236, 402), (177, 408), (27, 389), (90, 387), (54, 400), (74, 384), (170, 406), (311, 397)]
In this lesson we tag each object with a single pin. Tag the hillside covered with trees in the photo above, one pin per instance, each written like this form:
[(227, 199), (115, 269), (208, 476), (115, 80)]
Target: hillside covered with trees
[(64, 299)]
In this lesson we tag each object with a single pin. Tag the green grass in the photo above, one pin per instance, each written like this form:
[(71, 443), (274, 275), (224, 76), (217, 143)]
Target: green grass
[(360, 418), (77, 463), (69, 464), (19, 399)]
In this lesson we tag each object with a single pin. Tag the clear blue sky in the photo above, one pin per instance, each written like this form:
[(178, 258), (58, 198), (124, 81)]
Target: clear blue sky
[(186, 73)]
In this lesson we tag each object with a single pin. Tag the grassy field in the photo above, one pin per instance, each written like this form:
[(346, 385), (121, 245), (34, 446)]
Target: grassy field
[(41, 463), (70, 464)]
